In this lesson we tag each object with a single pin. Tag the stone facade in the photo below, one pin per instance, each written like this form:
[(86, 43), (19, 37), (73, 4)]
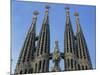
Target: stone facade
[(35, 58)]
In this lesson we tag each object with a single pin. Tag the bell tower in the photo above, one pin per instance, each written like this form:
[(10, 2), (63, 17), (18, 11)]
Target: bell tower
[(43, 45), (27, 53), (84, 61), (69, 44)]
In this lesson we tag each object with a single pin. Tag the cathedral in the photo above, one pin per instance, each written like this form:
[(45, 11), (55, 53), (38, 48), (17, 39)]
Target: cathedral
[(35, 54)]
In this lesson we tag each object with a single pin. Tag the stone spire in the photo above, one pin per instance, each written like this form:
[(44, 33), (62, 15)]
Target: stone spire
[(56, 58), (69, 44), (78, 28), (84, 61), (43, 46), (28, 49)]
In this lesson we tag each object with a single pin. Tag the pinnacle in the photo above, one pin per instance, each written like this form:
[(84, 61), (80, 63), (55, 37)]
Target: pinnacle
[(67, 7), (76, 14), (35, 12), (47, 6)]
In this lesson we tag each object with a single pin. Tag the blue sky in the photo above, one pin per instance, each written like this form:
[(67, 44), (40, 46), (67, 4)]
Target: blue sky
[(22, 13)]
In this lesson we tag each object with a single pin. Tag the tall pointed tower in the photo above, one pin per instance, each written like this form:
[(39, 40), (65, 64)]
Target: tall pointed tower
[(43, 46), (26, 55), (56, 58), (84, 61), (69, 45)]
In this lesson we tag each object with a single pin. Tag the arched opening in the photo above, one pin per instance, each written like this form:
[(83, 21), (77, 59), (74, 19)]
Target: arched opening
[(36, 68), (40, 66), (75, 65), (86, 67), (25, 72), (82, 67), (68, 62), (43, 65), (21, 72), (78, 67), (71, 63), (31, 70)]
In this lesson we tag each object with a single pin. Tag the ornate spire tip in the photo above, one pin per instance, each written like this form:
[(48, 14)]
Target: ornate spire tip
[(76, 14), (56, 41), (47, 6), (67, 8), (35, 12)]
